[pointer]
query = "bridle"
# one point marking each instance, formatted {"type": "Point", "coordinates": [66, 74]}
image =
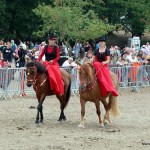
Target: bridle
{"type": "Point", "coordinates": [35, 70]}
{"type": "Point", "coordinates": [88, 81]}
{"type": "Point", "coordinates": [84, 85]}
{"type": "Point", "coordinates": [34, 80]}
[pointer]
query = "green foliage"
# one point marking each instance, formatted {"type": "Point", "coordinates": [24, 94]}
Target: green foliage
{"type": "Point", "coordinates": [147, 13]}
{"type": "Point", "coordinates": [70, 21]}
{"type": "Point", "coordinates": [17, 18]}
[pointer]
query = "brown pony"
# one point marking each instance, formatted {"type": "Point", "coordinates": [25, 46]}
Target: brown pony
{"type": "Point", "coordinates": [38, 77]}
{"type": "Point", "coordinates": [89, 91]}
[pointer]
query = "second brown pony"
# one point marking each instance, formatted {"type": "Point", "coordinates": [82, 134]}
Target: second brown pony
{"type": "Point", "coordinates": [89, 91]}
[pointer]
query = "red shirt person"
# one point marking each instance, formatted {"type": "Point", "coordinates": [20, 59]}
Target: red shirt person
{"type": "Point", "coordinates": [101, 60]}
{"type": "Point", "coordinates": [52, 55]}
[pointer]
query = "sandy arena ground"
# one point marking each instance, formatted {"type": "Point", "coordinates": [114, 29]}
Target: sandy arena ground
{"type": "Point", "coordinates": [131, 131]}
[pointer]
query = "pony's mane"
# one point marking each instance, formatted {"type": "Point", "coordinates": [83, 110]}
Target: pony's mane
{"type": "Point", "coordinates": [88, 68]}
{"type": "Point", "coordinates": [40, 67]}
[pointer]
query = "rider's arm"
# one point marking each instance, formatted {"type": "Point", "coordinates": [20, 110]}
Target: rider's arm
{"type": "Point", "coordinates": [107, 53]}
{"type": "Point", "coordinates": [41, 54]}
{"type": "Point", "coordinates": [107, 60]}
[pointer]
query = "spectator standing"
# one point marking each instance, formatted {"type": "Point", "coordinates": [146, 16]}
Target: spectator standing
{"type": "Point", "coordinates": [1, 47]}
{"type": "Point", "coordinates": [31, 45]}
{"type": "Point", "coordinates": [116, 54]}
{"type": "Point", "coordinates": [133, 58]}
{"type": "Point", "coordinates": [140, 54]}
{"type": "Point", "coordinates": [87, 47]}
{"type": "Point", "coordinates": [77, 47]}
{"type": "Point", "coordinates": [82, 53]}
{"type": "Point", "coordinates": [7, 53]}
{"type": "Point", "coordinates": [41, 46]}
{"type": "Point", "coordinates": [129, 53]}
{"type": "Point", "coordinates": [147, 47]}
{"type": "Point", "coordinates": [21, 56]}
{"type": "Point", "coordinates": [64, 45]}
{"type": "Point", "coordinates": [119, 63]}
{"type": "Point", "coordinates": [144, 50]}
{"type": "Point", "coordinates": [147, 67]}
{"type": "Point", "coordinates": [13, 46]}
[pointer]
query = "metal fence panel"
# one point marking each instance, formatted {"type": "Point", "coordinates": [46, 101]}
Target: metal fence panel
{"type": "Point", "coordinates": [13, 80]}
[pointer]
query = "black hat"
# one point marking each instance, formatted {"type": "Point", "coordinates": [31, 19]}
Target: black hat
{"type": "Point", "coordinates": [102, 39]}
{"type": "Point", "coordinates": [51, 37]}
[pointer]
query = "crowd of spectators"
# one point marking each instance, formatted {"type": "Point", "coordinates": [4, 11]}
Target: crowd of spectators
{"type": "Point", "coordinates": [18, 55]}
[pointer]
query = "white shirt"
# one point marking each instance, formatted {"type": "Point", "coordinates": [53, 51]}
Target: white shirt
{"type": "Point", "coordinates": [147, 47]}
{"type": "Point", "coordinates": [129, 57]}
{"type": "Point", "coordinates": [134, 60]}
{"type": "Point", "coordinates": [66, 64]}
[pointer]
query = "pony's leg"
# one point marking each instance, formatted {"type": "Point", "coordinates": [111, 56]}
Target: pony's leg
{"type": "Point", "coordinates": [62, 107]}
{"type": "Point", "coordinates": [97, 104]}
{"type": "Point", "coordinates": [39, 112]}
{"type": "Point", "coordinates": [83, 102]}
{"type": "Point", "coordinates": [37, 116]}
{"type": "Point", "coordinates": [107, 108]}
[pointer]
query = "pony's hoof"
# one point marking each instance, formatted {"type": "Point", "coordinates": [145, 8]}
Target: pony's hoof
{"type": "Point", "coordinates": [36, 122]}
{"type": "Point", "coordinates": [102, 125]}
{"type": "Point", "coordinates": [81, 126]}
{"type": "Point", "coordinates": [41, 122]}
{"type": "Point", "coordinates": [106, 123]}
{"type": "Point", "coordinates": [62, 118]}
{"type": "Point", "coordinates": [59, 120]}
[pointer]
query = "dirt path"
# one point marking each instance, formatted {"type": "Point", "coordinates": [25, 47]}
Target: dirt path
{"type": "Point", "coordinates": [130, 131]}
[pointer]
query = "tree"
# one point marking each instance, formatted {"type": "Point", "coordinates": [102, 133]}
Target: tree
{"type": "Point", "coordinates": [147, 14]}
{"type": "Point", "coordinates": [17, 18]}
{"type": "Point", "coordinates": [69, 20]}
{"type": "Point", "coordinates": [132, 10]}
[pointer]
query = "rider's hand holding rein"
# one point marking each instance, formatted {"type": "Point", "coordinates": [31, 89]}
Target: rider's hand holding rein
{"type": "Point", "coordinates": [51, 61]}
{"type": "Point", "coordinates": [107, 61]}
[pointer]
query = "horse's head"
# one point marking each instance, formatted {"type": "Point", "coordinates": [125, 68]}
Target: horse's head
{"type": "Point", "coordinates": [31, 72]}
{"type": "Point", "coordinates": [85, 74]}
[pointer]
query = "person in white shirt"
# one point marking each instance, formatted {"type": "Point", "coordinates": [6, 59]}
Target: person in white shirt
{"type": "Point", "coordinates": [129, 53]}
{"type": "Point", "coordinates": [147, 47]}
{"type": "Point", "coordinates": [69, 63]}
{"type": "Point", "coordinates": [144, 50]}
{"type": "Point", "coordinates": [133, 58]}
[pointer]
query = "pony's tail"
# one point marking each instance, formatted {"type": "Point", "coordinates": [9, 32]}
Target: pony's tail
{"type": "Point", "coordinates": [68, 94]}
{"type": "Point", "coordinates": [115, 111]}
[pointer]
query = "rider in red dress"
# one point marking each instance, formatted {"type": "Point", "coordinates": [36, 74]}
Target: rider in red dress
{"type": "Point", "coordinates": [101, 60]}
{"type": "Point", "coordinates": [52, 55]}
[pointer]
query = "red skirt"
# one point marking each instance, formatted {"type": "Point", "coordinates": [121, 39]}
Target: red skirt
{"type": "Point", "coordinates": [55, 77]}
{"type": "Point", "coordinates": [104, 79]}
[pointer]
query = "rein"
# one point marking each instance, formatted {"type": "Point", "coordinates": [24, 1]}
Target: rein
{"type": "Point", "coordinates": [40, 84]}
{"type": "Point", "coordinates": [98, 71]}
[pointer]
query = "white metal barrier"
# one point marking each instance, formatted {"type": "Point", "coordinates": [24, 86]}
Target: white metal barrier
{"type": "Point", "coordinates": [13, 80]}
{"type": "Point", "coordinates": [133, 76]}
